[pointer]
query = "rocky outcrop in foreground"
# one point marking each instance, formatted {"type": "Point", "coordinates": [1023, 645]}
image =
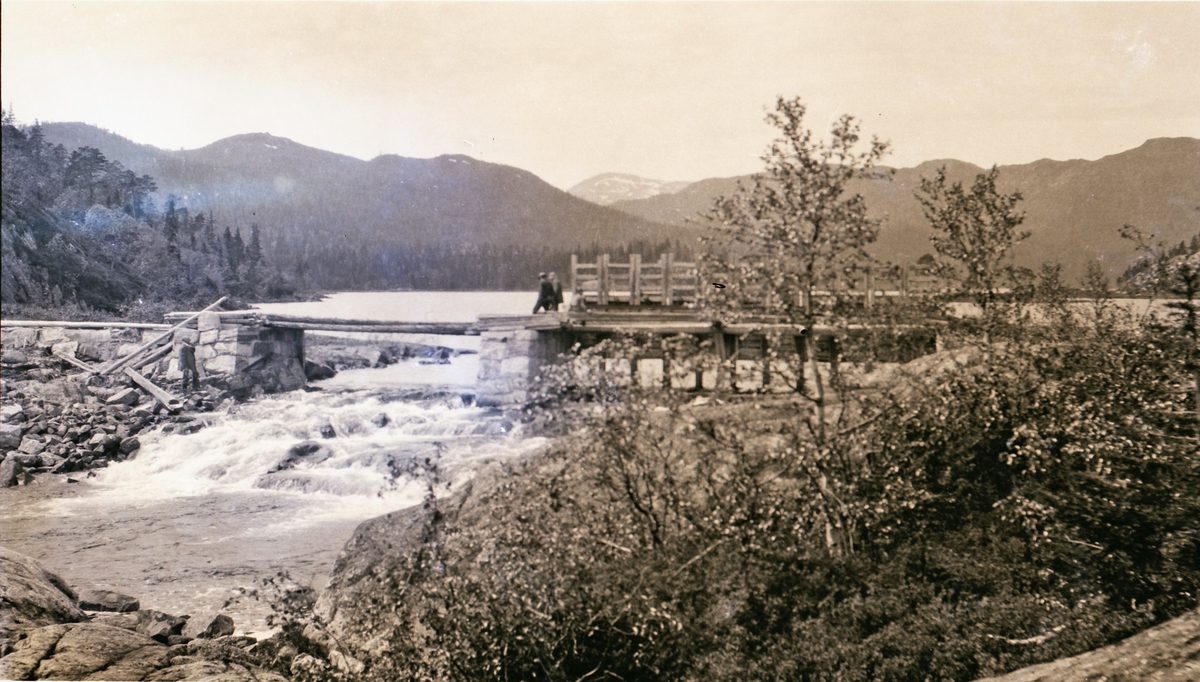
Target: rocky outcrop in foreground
{"type": "Point", "coordinates": [44, 634]}
{"type": "Point", "coordinates": [1166, 653]}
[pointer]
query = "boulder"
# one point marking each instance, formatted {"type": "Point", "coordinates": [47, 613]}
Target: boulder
{"type": "Point", "coordinates": [10, 471]}
{"type": "Point", "coordinates": [308, 452]}
{"type": "Point", "coordinates": [129, 445]}
{"type": "Point", "coordinates": [14, 357]}
{"type": "Point", "coordinates": [381, 420]}
{"type": "Point", "coordinates": [27, 653]}
{"type": "Point", "coordinates": [65, 349]}
{"type": "Point", "coordinates": [221, 626]}
{"type": "Point", "coordinates": [12, 414]}
{"type": "Point", "coordinates": [10, 437]}
{"type": "Point", "coordinates": [160, 626]}
{"type": "Point", "coordinates": [315, 371]}
{"type": "Point", "coordinates": [106, 600]}
{"type": "Point", "coordinates": [128, 396]}
{"type": "Point", "coordinates": [125, 621]}
{"type": "Point", "coordinates": [93, 651]}
{"type": "Point", "coordinates": [327, 431]}
{"type": "Point", "coordinates": [32, 596]}
{"type": "Point", "coordinates": [66, 391]}
{"type": "Point", "coordinates": [31, 445]}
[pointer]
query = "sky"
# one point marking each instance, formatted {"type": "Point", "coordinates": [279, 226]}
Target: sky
{"type": "Point", "coordinates": [674, 91]}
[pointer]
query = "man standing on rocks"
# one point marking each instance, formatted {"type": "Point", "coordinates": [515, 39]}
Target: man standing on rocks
{"type": "Point", "coordinates": [187, 365]}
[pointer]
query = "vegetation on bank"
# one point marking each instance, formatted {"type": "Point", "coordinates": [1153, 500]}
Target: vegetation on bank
{"type": "Point", "coordinates": [1031, 493]}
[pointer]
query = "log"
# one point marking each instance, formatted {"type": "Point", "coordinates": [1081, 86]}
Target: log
{"type": "Point", "coordinates": [442, 328]}
{"type": "Point", "coordinates": [121, 361]}
{"type": "Point", "coordinates": [168, 400]}
{"type": "Point", "coordinates": [156, 355]}
{"type": "Point", "coordinates": [81, 325]}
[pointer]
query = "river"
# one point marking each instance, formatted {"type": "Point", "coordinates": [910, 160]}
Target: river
{"type": "Point", "coordinates": [195, 521]}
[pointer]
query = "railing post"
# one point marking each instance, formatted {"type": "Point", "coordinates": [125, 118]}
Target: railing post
{"type": "Point", "coordinates": [635, 279]}
{"type": "Point", "coordinates": [904, 283]}
{"type": "Point", "coordinates": [668, 265]}
{"type": "Point", "coordinates": [602, 295]}
{"type": "Point", "coordinates": [870, 289]}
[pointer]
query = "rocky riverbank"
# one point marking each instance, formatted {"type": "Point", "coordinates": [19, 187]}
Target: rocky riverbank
{"type": "Point", "coordinates": [49, 631]}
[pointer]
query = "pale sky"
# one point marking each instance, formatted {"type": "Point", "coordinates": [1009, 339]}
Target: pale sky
{"type": "Point", "coordinates": [567, 90]}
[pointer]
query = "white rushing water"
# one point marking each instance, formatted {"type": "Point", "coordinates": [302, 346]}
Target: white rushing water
{"type": "Point", "coordinates": [194, 519]}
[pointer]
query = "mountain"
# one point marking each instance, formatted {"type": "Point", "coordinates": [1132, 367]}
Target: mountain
{"type": "Point", "coordinates": [607, 188]}
{"type": "Point", "coordinates": [1073, 209]}
{"type": "Point", "coordinates": [286, 187]}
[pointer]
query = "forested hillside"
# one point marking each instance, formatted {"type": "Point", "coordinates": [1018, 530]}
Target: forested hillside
{"type": "Point", "coordinates": [335, 222]}
{"type": "Point", "coordinates": [85, 233]}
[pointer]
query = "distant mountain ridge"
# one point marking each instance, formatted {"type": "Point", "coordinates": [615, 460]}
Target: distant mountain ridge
{"type": "Point", "coordinates": [284, 186]}
{"type": "Point", "coordinates": [1074, 209]}
{"type": "Point", "coordinates": [607, 188]}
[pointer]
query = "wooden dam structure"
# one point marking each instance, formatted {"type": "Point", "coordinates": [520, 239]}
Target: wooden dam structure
{"type": "Point", "coordinates": [610, 299]}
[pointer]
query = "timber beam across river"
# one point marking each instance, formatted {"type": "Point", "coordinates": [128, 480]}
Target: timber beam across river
{"type": "Point", "coordinates": [645, 321]}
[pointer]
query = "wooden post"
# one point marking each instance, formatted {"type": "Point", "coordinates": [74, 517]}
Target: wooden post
{"type": "Point", "coordinates": [575, 273]}
{"type": "Point", "coordinates": [602, 267]}
{"type": "Point", "coordinates": [904, 283]}
{"type": "Point", "coordinates": [668, 265]}
{"type": "Point", "coordinates": [801, 342]}
{"type": "Point", "coordinates": [719, 349]}
{"type": "Point", "coordinates": [169, 401]}
{"type": "Point", "coordinates": [870, 289]}
{"type": "Point", "coordinates": [635, 279]}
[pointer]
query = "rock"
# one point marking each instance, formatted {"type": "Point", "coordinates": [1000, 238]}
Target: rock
{"type": "Point", "coordinates": [159, 626]}
{"type": "Point", "coordinates": [373, 357]}
{"type": "Point", "coordinates": [129, 445]}
{"type": "Point", "coordinates": [31, 596]}
{"type": "Point", "coordinates": [106, 600]}
{"type": "Point", "coordinates": [11, 414]}
{"type": "Point", "coordinates": [308, 452]}
{"type": "Point", "coordinates": [221, 626]}
{"type": "Point", "coordinates": [65, 349]}
{"type": "Point", "coordinates": [1168, 652]}
{"type": "Point", "coordinates": [176, 640]}
{"type": "Point", "coordinates": [10, 471]}
{"type": "Point", "coordinates": [29, 652]}
{"type": "Point", "coordinates": [10, 437]}
{"type": "Point", "coordinates": [381, 420]}
{"type": "Point", "coordinates": [315, 371]}
{"type": "Point", "coordinates": [65, 392]}
{"type": "Point", "coordinates": [213, 671]}
{"type": "Point", "coordinates": [327, 431]}
{"type": "Point", "coordinates": [88, 648]}
{"type": "Point", "coordinates": [128, 396]}
{"type": "Point", "coordinates": [31, 445]}
{"type": "Point", "coordinates": [14, 357]}
{"type": "Point", "coordinates": [125, 621]}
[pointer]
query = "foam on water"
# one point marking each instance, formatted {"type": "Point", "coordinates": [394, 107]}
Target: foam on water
{"type": "Point", "coordinates": [431, 437]}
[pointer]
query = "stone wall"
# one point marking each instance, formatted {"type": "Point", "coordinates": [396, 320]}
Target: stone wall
{"type": "Point", "coordinates": [246, 355]}
{"type": "Point", "coordinates": [240, 357]}
{"type": "Point", "coordinates": [509, 359]}
{"type": "Point", "coordinates": [101, 344]}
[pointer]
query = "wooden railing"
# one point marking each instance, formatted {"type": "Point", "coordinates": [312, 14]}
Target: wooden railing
{"type": "Point", "coordinates": [666, 281]}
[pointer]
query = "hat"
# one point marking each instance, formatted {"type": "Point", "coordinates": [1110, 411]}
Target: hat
{"type": "Point", "coordinates": [541, 274]}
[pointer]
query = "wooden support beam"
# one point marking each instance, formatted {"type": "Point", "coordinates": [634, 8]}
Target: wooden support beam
{"type": "Point", "coordinates": [159, 339]}
{"type": "Point", "coordinates": [635, 279]}
{"type": "Point", "coordinates": [575, 274]}
{"type": "Point", "coordinates": [602, 294]}
{"type": "Point", "coordinates": [153, 357]}
{"type": "Point", "coordinates": [870, 290]}
{"type": "Point", "coordinates": [169, 401]}
{"type": "Point", "coordinates": [667, 277]}
{"type": "Point", "coordinates": [438, 328]}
